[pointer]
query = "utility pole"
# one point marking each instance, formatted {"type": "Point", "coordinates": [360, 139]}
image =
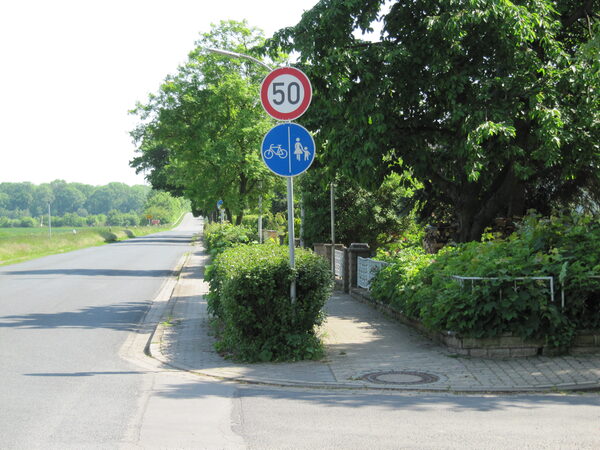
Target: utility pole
{"type": "Point", "coordinates": [49, 221]}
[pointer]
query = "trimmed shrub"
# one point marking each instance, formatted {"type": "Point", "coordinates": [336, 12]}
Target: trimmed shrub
{"type": "Point", "coordinates": [250, 295]}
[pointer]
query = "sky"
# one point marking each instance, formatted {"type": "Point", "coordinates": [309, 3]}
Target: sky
{"type": "Point", "coordinates": [71, 70]}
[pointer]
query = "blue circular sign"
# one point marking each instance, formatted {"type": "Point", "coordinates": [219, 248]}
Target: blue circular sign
{"type": "Point", "coordinates": [288, 149]}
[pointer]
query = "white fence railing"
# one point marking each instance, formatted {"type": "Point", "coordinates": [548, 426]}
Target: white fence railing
{"type": "Point", "coordinates": [339, 263]}
{"type": "Point", "coordinates": [550, 281]}
{"type": "Point", "coordinates": [366, 270]}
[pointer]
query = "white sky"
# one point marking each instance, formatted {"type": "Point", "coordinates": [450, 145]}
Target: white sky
{"type": "Point", "coordinates": [70, 70]}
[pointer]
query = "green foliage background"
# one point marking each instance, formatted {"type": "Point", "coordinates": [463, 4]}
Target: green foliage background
{"type": "Point", "coordinates": [492, 105]}
{"type": "Point", "coordinates": [566, 248]}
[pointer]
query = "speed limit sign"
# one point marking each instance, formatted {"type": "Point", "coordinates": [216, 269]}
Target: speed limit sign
{"type": "Point", "coordinates": [286, 93]}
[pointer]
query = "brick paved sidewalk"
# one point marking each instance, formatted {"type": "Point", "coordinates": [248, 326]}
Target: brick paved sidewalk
{"type": "Point", "coordinates": [365, 350]}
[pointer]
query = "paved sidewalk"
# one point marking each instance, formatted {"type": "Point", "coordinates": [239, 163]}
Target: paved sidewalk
{"type": "Point", "coordinates": [365, 351]}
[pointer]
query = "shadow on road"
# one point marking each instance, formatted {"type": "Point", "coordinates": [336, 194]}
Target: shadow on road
{"type": "Point", "coordinates": [123, 317]}
{"type": "Point", "coordinates": [155, 240]}
{"type": "Point", "coordinates": [83, 374]}
{"type": "Point", "coordinates": [415, 401]}
{"type": "Point", "coordinates": [94, 272]}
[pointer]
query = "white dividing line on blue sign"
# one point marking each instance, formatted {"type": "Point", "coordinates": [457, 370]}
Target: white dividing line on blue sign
{"type": "Point", "coordinates": [288, 149]}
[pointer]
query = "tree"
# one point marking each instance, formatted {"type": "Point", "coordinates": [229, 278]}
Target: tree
{"type": "Point", "coordinates": [494, 106]}
{"type": "Point", "coordinates": [162, 206]}
{"type": "Point", "coordinates": [200, 134]}
{"type": "Point", "coordinates": [20, 195]}
{"type": "Point", "coordinates": [4, 200]}
{"type": "Point", "coordinates": [42, 198]}
{"type": "Point", "coordinates": [101, 201]}
{"type": "Point", "coordinates": [361, 215]}
{"type": "Point", "coordinates": [67, 198]}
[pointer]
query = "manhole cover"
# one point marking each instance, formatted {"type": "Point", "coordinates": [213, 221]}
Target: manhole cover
{"type": "Point", "coordinates": [404, 377]}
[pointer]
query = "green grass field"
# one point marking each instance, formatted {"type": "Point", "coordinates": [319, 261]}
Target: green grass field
{"type": "Point", "coordinates": [22, 244]}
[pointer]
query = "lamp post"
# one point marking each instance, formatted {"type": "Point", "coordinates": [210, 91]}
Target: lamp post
{"type": "Point", "coordinates": [269, 68]}
{"type": "Point", "coordinates": [237, 55]}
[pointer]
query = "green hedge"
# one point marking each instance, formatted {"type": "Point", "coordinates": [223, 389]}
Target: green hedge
{"type": "Point", "coordinates": [566, 248]}
{"type": "Point", "coordinates": [219, 237]}
{"type": "Point", "coordinates": [250, 297]}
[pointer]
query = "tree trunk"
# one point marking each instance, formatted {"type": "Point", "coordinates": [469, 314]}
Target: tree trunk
{"type": "Point", "coordinates": [476, 211]}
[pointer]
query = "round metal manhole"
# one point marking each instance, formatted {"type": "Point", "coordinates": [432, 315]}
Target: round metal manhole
{"type": "Point", "coordinates": [400, 377]}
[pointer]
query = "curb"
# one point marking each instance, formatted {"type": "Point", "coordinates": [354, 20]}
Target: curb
{"type": "Point", "coordinates": [138, 342]}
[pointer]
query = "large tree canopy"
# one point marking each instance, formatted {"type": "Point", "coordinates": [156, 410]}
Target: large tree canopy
{"type": "Point", "coordinates": [493, 105]}
{"type": "Point", "coordinates": [200, 134]}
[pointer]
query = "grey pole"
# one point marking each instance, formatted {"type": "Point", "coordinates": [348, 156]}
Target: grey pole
{"type": "Point", "coordinates": [302, 222]}
{"type": "Point", "coordinates": [291, 237]}
{"type": "Point", "coordinates": [237, 55]}
{"type": "Point", "coordinates": [260, 224]}
{"type": "Point", "coordinates": [49, 221]}
{"type": "Point", "coordinates": [332, 202]}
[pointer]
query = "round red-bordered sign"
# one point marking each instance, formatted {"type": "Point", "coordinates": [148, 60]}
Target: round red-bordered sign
{"type": "Point", "coordinates": [286, 93]}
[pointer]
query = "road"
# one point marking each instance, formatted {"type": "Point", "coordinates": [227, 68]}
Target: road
{"type": "Point", "coordinates": [73, 375]}
{"type": "Point", "coordinates": [64, 320]}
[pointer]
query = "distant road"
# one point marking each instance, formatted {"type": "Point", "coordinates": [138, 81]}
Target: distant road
{"type": "Point", "coordinates": [63, 319]}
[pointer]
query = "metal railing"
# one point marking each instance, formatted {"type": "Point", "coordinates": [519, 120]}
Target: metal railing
{"type": "Point", "coordinates": [550, 281]}
{"type": "Point", "coordinates": [366, 270]}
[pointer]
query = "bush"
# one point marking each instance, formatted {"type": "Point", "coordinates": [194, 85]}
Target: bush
{"type": "Point", "coordinates": [96, 220]}
{"type": "Point", "coordinates": [250, 295]}
{"type": "Point", "coordinates": [73, 220]}
{"type": "Point", "coordinates": [28, 222]}
{"type": "Point", "coordinates": [566, 248]}
{"type": "Point", "coordinates": [397, 283]}
{"type": "Point", "coordinates": [251, 221]}
{"type": "Point", "coordinates": [115, 218]}
{"type": "Point", "coordinates": [57, 222]}
{"type": "Point", "coordinates": [219, 237]}
{"type": "Point", "coordinates": [131, 219]}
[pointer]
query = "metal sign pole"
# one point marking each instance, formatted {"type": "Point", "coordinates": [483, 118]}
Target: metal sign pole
{"type": "Point", "coordinates": [291, 236]}
{"type": "Point", "coordinates": [332, 205]}
{"type": "Point", "coordinates": [260, 224]}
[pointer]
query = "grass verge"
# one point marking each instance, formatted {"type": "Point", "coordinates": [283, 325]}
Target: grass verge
{"type": "Point", "coordinates": [23, 244]}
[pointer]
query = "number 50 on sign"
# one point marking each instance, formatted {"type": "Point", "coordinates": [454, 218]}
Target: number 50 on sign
{"type": "Point", "coordinates": [286, 93]}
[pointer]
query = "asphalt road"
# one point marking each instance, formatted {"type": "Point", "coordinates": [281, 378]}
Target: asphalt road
{"type": "Point", "coordinates": [63, 321]}
{"type": "Point", "coordinates": [308, 419]}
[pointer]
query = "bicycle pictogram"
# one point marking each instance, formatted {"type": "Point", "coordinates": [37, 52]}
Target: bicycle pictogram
{"type": "Point", "coordinates": [275, 150]}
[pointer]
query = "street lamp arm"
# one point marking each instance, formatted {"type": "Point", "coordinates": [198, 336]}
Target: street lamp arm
{"type": "Point", "coordinates": [238, 55]}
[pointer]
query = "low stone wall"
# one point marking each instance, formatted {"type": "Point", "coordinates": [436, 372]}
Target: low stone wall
{"type": "Point", "coordinates": [506, 346]}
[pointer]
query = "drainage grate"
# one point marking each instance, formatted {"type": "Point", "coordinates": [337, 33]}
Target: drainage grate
{"type": "Point", "coordinates": [400, 377]}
